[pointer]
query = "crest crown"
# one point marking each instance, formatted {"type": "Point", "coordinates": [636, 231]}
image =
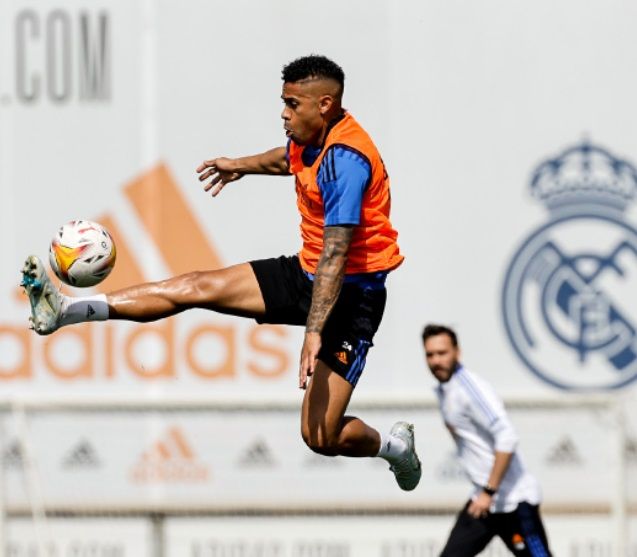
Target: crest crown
{"type": "Point", "coordinates": [585, 174]}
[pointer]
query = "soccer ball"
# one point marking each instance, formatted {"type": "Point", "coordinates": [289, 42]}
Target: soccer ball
{"type": "Point", "coordinates": [82, 253]}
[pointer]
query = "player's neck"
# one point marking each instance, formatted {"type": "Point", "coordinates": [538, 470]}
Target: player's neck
{"type": "Point", "coordinates": [330, 121]}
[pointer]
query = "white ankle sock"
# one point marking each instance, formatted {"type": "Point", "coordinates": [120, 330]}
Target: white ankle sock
{"type": "Point", "coordinates": [85, 308]}
{"type": "Point", "coordinates": [392, 448]}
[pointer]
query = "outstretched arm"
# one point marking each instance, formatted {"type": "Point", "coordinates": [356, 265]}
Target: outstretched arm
{"type": "Point", "coordinates": [224, 170]}
{"type": "Point", "coordinates": [327, 286]}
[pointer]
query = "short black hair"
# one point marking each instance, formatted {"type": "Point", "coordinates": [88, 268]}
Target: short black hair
{"type": "Point", "coordinates": [432, 330]}
{"type": "Point", "coordinates": [313, 65]}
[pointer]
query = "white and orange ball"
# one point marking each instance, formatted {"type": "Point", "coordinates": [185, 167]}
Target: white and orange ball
{"type": "Point", "coordinates": [82, 253]}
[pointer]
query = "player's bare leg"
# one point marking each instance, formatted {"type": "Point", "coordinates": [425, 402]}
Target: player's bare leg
{"type": "Point", "coordinates": [233, 290]}
{"type": "Point", "coordinates": [326, 429]}
{"type": "Point", "coordinates": [324, 426]}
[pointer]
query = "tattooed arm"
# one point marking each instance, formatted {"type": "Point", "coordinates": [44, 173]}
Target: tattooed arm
{"type": "Point", "coordinates": [327, 286]}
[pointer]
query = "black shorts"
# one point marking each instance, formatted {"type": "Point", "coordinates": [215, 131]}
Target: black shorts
{"type": "Point", "coordinates": [350, 328]}
{"type": "Point", "coordinates": [521, 530]}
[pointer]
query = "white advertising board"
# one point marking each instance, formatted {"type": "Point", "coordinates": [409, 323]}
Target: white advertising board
{"type": "Point", "coordinates": [79, 537]}
{"type": "Point", "coordinates": [225, 461]}
{"type": "Point", "coordinates": [303, 536]}
{"type": "Point", "coordinates": [509, 136]}
{"type": "Point", "coordinates": [347, 536]}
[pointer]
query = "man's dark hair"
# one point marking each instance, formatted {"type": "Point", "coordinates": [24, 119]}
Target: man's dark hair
{"type": "Point", "coordinates": [433, 330]}
{"type": "Point", "coordinates": [313, 65]}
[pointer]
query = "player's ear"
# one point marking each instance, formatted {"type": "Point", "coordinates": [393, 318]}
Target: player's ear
{"type": "Point", "coordinates": [325, 104]}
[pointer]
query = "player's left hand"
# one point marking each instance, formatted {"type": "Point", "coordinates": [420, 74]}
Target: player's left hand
{"type": "Point", "coordinates": [479, 507]}
{"type": "Point", "coordinates": [221, 170]}
{"type": "Point", "coordinates": [309, 357]}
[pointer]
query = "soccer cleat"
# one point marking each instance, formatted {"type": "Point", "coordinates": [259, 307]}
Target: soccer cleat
{"type": "Point", "coordinates": [407, 470]}
{"type": "Point", "coordinates": [45, 299]}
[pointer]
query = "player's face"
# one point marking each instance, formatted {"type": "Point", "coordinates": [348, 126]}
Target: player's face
{"type": "Point", "coordinates": [303, 115]}
{"type": "Point", "coordinates": [442, 356]}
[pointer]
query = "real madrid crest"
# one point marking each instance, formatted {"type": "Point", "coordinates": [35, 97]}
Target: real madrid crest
{"type": "Point", "coordinates": [569, 300]}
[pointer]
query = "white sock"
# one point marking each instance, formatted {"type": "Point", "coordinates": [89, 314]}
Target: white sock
{"type": "Point", "coordinates": [392, 449]}
{"type": "Point", "coordinates": [85, 308]}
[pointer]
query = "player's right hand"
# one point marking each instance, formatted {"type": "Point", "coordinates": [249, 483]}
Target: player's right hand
{"type": "Point", "coordinates": [309, 357]}
{"type": "Point", "coordinates": [480, 505]}
{"type": "Point", "coordinates": [221, 171]}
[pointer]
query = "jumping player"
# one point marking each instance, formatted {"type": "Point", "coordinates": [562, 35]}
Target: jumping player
{"type": "Point", "coordinates": [506, 497]}
{"type": "Point", "coordinates": [335, 286]}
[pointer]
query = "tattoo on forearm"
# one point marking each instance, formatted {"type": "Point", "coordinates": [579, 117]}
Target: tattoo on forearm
{"type": "Point", "coordinates": [329, 275]}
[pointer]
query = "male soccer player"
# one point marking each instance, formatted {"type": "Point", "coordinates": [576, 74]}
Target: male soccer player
{"type": "Point", "coordinates": [505, 498]}
{"type": "Point", "coordinates": [335, 286]}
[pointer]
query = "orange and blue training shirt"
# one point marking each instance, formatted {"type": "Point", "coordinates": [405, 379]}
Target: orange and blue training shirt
{"type": "Point", "coordinates": [344, 182]}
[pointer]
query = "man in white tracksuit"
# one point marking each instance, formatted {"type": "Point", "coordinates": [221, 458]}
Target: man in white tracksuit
{"type": "Point", "coordinates": [505, 498]}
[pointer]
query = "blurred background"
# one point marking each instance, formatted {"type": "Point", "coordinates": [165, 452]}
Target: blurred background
{"type": "Point", "coordinates": [510, 136]}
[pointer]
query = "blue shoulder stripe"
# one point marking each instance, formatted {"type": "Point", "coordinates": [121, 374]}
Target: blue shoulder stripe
{"type": "Point", "coordinates": [476, 395]}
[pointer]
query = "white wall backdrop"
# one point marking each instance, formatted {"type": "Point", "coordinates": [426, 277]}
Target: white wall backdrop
{"type": "Point", "coordinates": [464, 101]}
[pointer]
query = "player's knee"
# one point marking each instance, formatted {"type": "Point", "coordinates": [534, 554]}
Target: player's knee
{"type": "Point", "coordinates": [319, 442]}
{"type": "Point", "coordinates": [323, 447]}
